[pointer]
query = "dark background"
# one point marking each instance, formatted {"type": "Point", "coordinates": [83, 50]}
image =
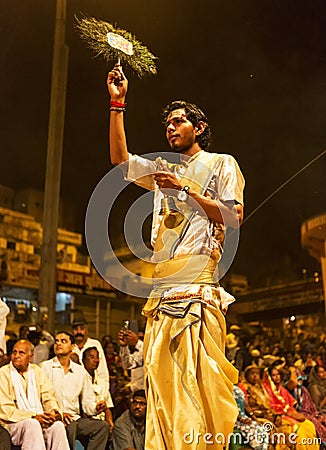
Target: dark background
{"type": "Point", "coordinates": [257, 68]}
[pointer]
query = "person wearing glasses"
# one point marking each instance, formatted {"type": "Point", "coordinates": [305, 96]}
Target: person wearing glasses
{"type": "Point", "coordinates": [129, 429]}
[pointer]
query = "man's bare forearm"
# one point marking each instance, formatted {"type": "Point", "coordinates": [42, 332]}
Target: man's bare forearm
{"type": "Point", "coordinates": [229, 213]}
{"type": "Point", "coordinates": [117, 85]}
{"type": "Point", "coordinates": [118, 141]}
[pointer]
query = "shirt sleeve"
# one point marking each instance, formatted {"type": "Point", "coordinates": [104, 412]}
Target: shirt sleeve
{"type": "Point", "coordinates": [230, 181]}
{"type": "Point", "coordinates": [106, 394]}
{"type": "Point", "coordinates": [140, 171]}
{"type": "Point", "coordinates": [48, 338]}
{"type": "Point", "coordinates": [136, 359]}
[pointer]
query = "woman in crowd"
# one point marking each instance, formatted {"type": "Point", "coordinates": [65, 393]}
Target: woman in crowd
{"type": "Point", "coordinates": [111, 356]}
{"type": "Point", "coordinates": [304, 404]}
{"type": "Point", "coordinates": [259, 408]}
{"type": "Point", "coordinates": [282, 403]}
{"type": "Point", "coordinates": [258, 405]}
{"type": "Point", "coordinates": [317, 387]}
{"type": "Point", "coordinates": [252, 432]}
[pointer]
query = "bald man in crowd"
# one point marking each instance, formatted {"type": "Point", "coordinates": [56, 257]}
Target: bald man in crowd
{"type": "Point", "coordinates": [28, 407]}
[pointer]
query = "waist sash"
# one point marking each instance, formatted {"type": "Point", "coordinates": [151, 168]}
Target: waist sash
{"type": "Point", "coordinates": [182, 279]}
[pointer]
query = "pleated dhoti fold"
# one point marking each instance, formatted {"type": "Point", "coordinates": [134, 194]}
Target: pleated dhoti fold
{"type": "Point", "coordinates": [189, 381]}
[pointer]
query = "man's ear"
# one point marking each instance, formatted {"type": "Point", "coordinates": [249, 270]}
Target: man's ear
{"type": "Point", "coordinates": [200, 127]}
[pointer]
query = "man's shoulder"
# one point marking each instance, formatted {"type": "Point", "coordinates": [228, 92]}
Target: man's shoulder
{"type": "Point", "coordinates": [49, 363]}
{"type": "Point", "coordinates": [40, 373]}
{"type": "Point", "coordinates": [93, 343]}
{"type": "Point", "coordinates": [124, 419]}
{"type": "Point", "coordinates": [54, 363]}
{"type": "Point", "coordinates": [35, 367]}
{"type": "Point", "coordinates": [220, 157]}
{"type": "Point", "coordinates": [77, 368]}
{"type": "Point", "coordinates": [215, 159]}
{"type": "Point", "coordinates": [5, 369]}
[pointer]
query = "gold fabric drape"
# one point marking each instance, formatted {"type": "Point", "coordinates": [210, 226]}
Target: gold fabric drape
{"type": "Point", "coordinates": [189, 381]}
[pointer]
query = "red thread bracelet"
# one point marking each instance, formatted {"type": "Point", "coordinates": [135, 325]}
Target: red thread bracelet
{"type": "Point", "coordinates": [117, 104]}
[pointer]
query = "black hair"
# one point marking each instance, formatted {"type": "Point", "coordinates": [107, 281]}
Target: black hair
{"type": "Point", "coordinates": [194, 115]}
{"type": "Point", "coordinates": [71, 336]}
{"type": "Point", "coordinates": [87, 350]}
{"type": "Point", "coordinates": [139, 393]}
{"type": "Point", "coordinates": [276, 365]}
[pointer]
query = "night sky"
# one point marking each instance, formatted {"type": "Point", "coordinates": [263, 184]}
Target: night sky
{"type": "Point", "coordinates": [257, 68]}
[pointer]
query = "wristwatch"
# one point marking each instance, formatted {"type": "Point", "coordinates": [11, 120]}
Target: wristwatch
{"type": "Point", "coordinates": [182, 195]}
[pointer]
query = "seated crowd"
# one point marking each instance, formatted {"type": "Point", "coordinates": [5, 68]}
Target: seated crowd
{"type": "Point", "coordinates": [76, 393]}
{"type": "Point", "coordinates": [281, 388]}
{"type": "Point", "coordinates": [70, 391]}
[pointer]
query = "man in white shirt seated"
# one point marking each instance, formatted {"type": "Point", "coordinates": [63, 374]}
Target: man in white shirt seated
{"type": "Point", "coordinates": [101, 388]}
{"type": "Point", "coordinates": [28, 407]}
{"type": "Point", "coordinates": [83, 341]}
{"type": "Point", "coordinates": [72, 385]}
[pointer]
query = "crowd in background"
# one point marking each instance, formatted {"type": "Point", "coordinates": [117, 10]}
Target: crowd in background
{"type": "Point", "coordinates": [282, 383]}
{"type": "Point", "coordinates": [282, 378]}
{"type": "Point", "coordinates": [107, 376]}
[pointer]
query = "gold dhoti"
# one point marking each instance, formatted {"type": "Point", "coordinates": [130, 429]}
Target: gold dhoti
{"type": "Point", "coordinates": [189, 381]}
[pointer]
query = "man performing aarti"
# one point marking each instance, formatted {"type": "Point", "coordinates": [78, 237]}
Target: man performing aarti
{"type": "Point", "coordinates": [189, 381]}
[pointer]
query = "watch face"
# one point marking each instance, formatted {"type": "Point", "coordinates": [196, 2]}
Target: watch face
{"type": "Point", "coordinates": [182, 196]}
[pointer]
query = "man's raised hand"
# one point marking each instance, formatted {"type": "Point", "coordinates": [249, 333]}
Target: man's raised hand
{"type": "Point", "coordinates": [117, 84]}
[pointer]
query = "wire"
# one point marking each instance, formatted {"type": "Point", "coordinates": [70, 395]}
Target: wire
{"type": "Point", "coordinates": [283, 185]}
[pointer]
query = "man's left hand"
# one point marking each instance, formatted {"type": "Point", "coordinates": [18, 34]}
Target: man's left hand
{"type": "Point", "coordinates": [101, 406]}
{"type": "Point", "coordinates": [167, 180]}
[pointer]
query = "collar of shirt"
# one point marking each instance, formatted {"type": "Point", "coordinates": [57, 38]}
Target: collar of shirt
{"type": "Point", "coordinates": [56, 364]}
{"type": "Point", "coordinates": [95, 376]}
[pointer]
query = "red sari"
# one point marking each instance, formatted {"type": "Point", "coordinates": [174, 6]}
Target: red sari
{"type": "Point", "coordinates": [283, 403]}
{"type": "Point", "coordinates": [281, 400]}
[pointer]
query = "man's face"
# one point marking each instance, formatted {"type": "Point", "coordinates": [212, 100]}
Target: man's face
{"type": "Point", "coordinates": [253, 376]}
{"type": "Point", "coordinates": [180, 132]}
{"type": "Point", "coordinates": [80, 331]}
{"type": "Point", "coordinates": [92, 360]}
{"type": "Point", "coordinates": [138, 407]}
{"type": "Point", "coordinates": [21, 356]}
{"type": "Point", "coordinates": [62, 345]}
